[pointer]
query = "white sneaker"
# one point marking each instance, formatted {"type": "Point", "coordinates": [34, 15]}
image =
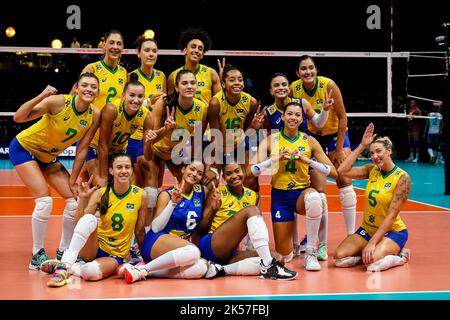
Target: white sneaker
{"type": "Point", "coordinates": [415, 160]}
{"type": "Point", "coordinates": [311, 262]}
{"type": "Point", "coordinates": [121, 269]}
{"type": "Point", "coordinates": [133, 274]}
{"type": "Point", "coordinates": [409, 159]}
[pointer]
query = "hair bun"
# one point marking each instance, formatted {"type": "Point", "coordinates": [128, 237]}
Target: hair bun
{"type": "Point", "coordinates": [134, 76]}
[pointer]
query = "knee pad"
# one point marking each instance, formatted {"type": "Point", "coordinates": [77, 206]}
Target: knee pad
{"type": "Point", "coordinates": [195, 271]}
{"type": "Point", "coordinates": [257, 231]}
{"type": "Point", "coordinates": [347, 196]}
{"type": "Point", "coordinates": [186, 255]}
{"type": "Point", "coordinates": [43, 208]}
{"type": "Point", "coordinates": [71, 208]}
{"type": "Point", "coordinates": [91, 271]}
{"type": "Point", "coordinates": [152, 194]}
{"type": "Point", "coordinates": [313, 205]}
{"type": "Point", "coordinates": [85, 226]}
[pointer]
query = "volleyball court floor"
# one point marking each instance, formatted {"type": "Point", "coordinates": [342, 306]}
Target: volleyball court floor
{"type": "Point", "coordinates": [427, 276]}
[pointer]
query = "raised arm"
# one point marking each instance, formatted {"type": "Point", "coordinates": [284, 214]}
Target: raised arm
{"type": "Point", "coordinates": [45, 102]}
{"type": "Point", "coordinates": [346, 168]}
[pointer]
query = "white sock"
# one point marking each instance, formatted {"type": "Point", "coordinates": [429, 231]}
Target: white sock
{"type": "Point", "coordinates": [84, 228]}
{"type": "Point", "coordinates": [75, 269]}
{"type": "Point", "coordinates": [41, 214]}
{"type": "Point", "coordinates": [245, 267]}
{"type": "Point", "coordinates": [67, 223]}
{"type": "Point", "coordinates": [347, 262]}
{"type": "Point", "coordinates": [348, 202]}
{"type": "Point", "coordinates": [259, 235]}
{"type": "Point", "coordinates": [430, 152]}
{"type": "Point", "coordinates": [179, 257]}
{"type": "Point", "coordinates": [387, 262]}
{"type": "Point", "coordinates": [323, 229]}
{"type": "Point", "coordinates": [193, 271]}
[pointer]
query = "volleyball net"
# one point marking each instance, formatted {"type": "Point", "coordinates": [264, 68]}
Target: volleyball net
{"type": "Point", "coordinates": [376, 86]}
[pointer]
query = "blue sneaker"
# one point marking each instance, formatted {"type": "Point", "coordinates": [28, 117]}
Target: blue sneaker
{"type": "Point", "coordinates": [134, 256]}
{"type": "Point", "coordinates": [37, 259]}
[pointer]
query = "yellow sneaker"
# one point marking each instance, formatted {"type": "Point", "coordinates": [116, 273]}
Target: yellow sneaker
{"type": "Point", "coordinates": [59, 278]}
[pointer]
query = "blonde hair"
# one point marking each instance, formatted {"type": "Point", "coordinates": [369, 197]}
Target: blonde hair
{"type": "Point", "coordinates": [385, 141]}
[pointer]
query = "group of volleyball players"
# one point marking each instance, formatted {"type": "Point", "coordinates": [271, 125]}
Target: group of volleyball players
{"type": "Point", "coordinates": [216, 140]}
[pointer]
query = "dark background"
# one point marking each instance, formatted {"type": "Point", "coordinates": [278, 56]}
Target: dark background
{"type": "Point", "coordinates": [241, 25]}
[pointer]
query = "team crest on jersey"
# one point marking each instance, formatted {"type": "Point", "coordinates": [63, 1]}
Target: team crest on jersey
{"type": "Point", "coordinates": [197, 188]}
{"type": "Point", "coordinates": [387, 186]}
{"type": "Point", "coordinates": [305, 137]}
{"type": "Point", "coordinates": [99, 66]}
{"type": "Point", "coordinates": [302, 148]}
{"type": "Point", "coordinates": [371, 219]}
{"type": "Point", "coordinates": [197, 203]}
{"type": "Point", "coordinates": [321, 85]}
{"type": "Point", "coordinates": [83, 124]}
{"type": "Point", "coordinates": [104, 79]}
{"type": "Point", "coordinates": [135, 190]}
{"type": "Point", "coordinates": [245, 204]}
{"type": "Point", "coordinates": [130, 206]}
{"type": "Point", "coordinates": [120, 81]}
{"type": "Point", "coordinates": [224, 193]}
{"type": "Point", "coordinates": [201, 84]}
{"type": "Point", "coordinates": [157, 74]}
{"type": "Point", "coordinates": [290, 185]}
{"type": "Point", "coordinates": [248, 193]}
{"type": "Point", "coordinates": [397, 173]}
{"type": "Point", "coordinates": [271, 109]}
{"type": "Point", "coordinates": [197, 108]}
{"type": "Point", "coordinates": [244, 99]}
{"type": "Point", "coordinates": [319, 102]}
{"type": "Point", "coordinates": [158, 86]}
{"type": "Point", "coordinates": [203, 69]}
{"type": "Point", "coordinates": [140, 113]}
{"type": "Point", "coordinates": [240, 111]}
{"type": "Point", "coordinates": [298, 87]}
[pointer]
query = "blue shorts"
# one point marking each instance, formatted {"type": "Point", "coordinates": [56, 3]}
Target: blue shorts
{"type": "Point", "coordinates": [135, 149]}
{"type": "Point", "coordinates": [328, 142]}
{"type": "Point", "coordinates": [399, 237]}
{"type": "Point", "coordinates": [204, 244]}
{"type": "Point", "coordinates": [149, 241]}
{"type": "Point", "coordinates": [92, 154]}
{"type": "Point", "coordinates": [284, 204]}
{"type": "Point", "coordinates": [19, 155]}
{"type": "Point", "coordinates": [103, 254]}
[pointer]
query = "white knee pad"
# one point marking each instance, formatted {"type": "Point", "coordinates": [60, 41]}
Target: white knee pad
{"type": "Point", "coordinates": [85, 226]}
{"type": "Point", "coordinates": [257, 231]}
{"type": "Point", "coordinates": [186, 255]}
{"type": "Point", "coordinates": [91, 271]}
{"type": "Point", "coordinates": [347, 196]}
{"type": "Point", "coordinates": [195, 271]}
{"type": "Point", "coordinates": [71, 208]}
{"type": "Point", "coordinates": [313, 205]}
{"type": "Point", "coordinates": [43, 208]}
{"type": "Point", "coordinates": [152, 194]}
{"type": "Point", "coordinates": [347, 262]}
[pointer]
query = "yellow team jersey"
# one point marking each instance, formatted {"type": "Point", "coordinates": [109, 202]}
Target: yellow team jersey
{"type": "Point", "coordinates": [123, 127]}
{"type": "Point", "coordinates": [52, 134]}
{"type": "Point", "coordinates": [154, 84]}
{"type": "Point", "coordinates": [185, 120]}
{"type": "Point", "coordinates": [204, 82]}
{"type": "Point", "coordinates": [232, 116]}
{"type": "Point", "coordinates": [112, 82]}
{"type": "Point", "coordinates": [290, 174]}
{"type": "Point", "coordinates": [231, 204]}
{"type": "Point", "coordinates": [316, 98]}
{"type": "Point", "coordinates": [116, 226]}
{"type": "Point", "coordinates": [378, 197]}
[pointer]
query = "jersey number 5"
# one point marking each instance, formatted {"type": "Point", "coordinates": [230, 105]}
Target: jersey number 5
{"type": "Point", "coordinates": [372, 201]}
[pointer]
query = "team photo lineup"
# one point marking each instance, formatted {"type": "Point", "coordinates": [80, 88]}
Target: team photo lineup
{"type": "Point", "coordinates": [217, 141]}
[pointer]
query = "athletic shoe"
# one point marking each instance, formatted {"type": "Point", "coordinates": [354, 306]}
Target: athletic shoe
{"type": "Point", "coordinates": [276, 271]}
{"type": "Point", "coordinates": [303, 244]}
{"type": "Point", "coordinates": [51, 265]}
{"type": "Point", "coordinates": [59, 278]}
{"type": "Point", "coordinates": [409, 159]}
{"type": "Point", "coordinates": [59, 254]}
{"type": "Point", "coordinates": [214, 270]}
{"type": "Point", "coordinates": [135, 256]}
{"type": "Point", "coordinates": [311, 262]}
{"type": "Point", "coordinates": [433, 159]}
{"type": "Point", "coordinates": [415, 160]}
{"type": "Point", "coordinates": [405, 253]}
{"type": "Point", "coordinates": [121, 269]}
{"type": "Point", "coordinates": [37, 259]}
{"type": "Point", "coordinates": [133, 274]}
{"type": "Point", "coordinates": [322, 252]}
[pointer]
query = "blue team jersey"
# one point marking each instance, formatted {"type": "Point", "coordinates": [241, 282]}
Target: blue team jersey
{"type": "Point", "coordinates": [187, 214]}
{"type": "Point", "coordinates": [274, 115]}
